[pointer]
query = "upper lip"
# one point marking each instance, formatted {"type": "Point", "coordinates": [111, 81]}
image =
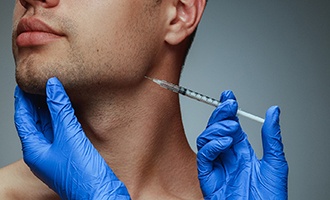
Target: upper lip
{"type": "Point", "coordinates": [34, 25]}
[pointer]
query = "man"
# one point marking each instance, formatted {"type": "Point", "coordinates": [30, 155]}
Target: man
{"type": "Point", "coordinates": [101, 51]}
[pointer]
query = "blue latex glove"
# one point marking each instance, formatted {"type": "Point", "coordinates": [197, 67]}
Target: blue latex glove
{"type": "Point", "coordinates": [227, 165]}
{"type": "Point", "coordinates": [58, 152]}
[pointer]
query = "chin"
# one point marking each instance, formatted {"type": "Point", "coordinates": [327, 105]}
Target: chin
{"type": "Point", "coordinates": [32, 85]}
{"type": "Point", "coordinates": [32, 77]}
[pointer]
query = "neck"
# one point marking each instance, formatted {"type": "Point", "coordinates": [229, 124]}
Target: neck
{"type": "Point", "coordinates": [139, 132]}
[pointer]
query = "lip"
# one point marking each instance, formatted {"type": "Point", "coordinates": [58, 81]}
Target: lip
{"type": "Point", "coordinates": [33, 32]}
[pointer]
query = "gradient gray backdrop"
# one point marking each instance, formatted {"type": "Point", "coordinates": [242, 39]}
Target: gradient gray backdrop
{"type": "Point", "coordinates": [267, 52]}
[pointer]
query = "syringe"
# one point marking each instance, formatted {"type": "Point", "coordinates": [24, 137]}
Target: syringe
{"type": "Point", "coordinates": [200, 97]}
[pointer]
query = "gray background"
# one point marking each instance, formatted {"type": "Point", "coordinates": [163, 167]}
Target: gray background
{"type": "Point", "coordinates": [267, 52]}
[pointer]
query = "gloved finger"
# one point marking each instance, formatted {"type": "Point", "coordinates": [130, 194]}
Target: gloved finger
{"type": "Point", "coordinates": [61, 111]}
{"type": "Point", "coordinates": [25, 114]}
{"type": "Point", "coordinates": [271, 138]}
{"type": "Point", "coordinates": [42, 116]}
{"type": "Point", "coordinates": [227, 94]}
{"type": "Point", "coordinates": [209, 152]}
{"type": "Point", "coordinates": [220, 129]}
{"type": "Point", "coordinates": [31, 138]}
{"type": "Point", "coordinates": [225, 111]}
{"type": "Point", "coordinates": [40, 113]}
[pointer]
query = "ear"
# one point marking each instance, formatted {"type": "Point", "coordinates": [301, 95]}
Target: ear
{"type": "Point", "coordinates": [184, 17]}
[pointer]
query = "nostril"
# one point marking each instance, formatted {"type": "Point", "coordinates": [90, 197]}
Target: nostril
{"type": "Point", "coordinates": [24, 3]}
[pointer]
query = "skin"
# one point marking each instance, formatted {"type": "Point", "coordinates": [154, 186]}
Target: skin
{"type": "Point", "coordinates": [101, 53]}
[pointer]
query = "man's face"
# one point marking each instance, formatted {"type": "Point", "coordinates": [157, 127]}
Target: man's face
{"type": "Point", "coordinates": [84, 43]}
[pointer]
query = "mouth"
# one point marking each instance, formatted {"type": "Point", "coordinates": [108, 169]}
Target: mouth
{"type": "Point", "coordinates": [34, 32]}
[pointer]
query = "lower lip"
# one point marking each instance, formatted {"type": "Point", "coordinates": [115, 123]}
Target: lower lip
{"type": "Point", "coordinates": [28, 39]}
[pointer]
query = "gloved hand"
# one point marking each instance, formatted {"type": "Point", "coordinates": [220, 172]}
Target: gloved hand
{"type": "Point", "coordinates": [58, 152]}
{"type": "Point", "coordinates": [227, 165]}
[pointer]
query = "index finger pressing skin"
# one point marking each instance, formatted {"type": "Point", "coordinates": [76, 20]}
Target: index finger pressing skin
{"type": "Point", "coordinates": [61, 111]}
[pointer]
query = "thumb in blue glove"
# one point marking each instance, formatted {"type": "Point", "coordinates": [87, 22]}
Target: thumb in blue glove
{"type": "Point", "coordinates": [58, 152]}
{"type": "Point", "coordinates": [227, 165]}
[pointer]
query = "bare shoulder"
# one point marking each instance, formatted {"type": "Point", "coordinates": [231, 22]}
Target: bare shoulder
{"type": "Point", "coordinates": [18, 182]}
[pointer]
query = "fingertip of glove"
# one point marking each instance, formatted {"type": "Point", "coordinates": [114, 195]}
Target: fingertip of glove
{"type": "Point", "coordinates": [53, 88]}
{"type": "Point", "coordinates": [53, 82]}
{"type": "Point", "coordinates": [273, 113]}
{"type": "Point", "coordinates": [56, 95]}
{"type": "Point", "coordinates": [227, 94]}
{"type": "Point", "coordinates": [272, 119]}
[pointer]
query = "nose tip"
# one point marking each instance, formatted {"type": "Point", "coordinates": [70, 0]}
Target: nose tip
{"type": "Point", "coordinates": [43, 3]}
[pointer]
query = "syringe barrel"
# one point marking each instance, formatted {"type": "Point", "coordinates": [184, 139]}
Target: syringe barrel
{"type": "Point", "coordinates": [199, 97]}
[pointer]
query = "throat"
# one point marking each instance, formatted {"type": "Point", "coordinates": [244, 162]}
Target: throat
{"type": "Point", "coordinates": [142, 139]}
{"type": "Point", "coordinates": [150, 155]}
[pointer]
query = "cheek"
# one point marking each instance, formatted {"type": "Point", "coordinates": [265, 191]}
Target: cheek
{"type": "Point", "coordinates": [17, 14]}
{"type": "Point", "coordinates": [125, 45]}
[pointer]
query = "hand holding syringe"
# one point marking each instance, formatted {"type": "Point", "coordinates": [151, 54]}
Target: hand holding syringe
{"type": "Point", "coordinates": [200, 97]}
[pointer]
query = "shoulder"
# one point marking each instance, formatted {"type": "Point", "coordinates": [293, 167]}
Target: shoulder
{"type": "Point", "coordinates": [18, 182]}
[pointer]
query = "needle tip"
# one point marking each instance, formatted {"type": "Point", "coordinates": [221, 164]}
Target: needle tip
{"type": "Point", "coordinates": [147, 77]}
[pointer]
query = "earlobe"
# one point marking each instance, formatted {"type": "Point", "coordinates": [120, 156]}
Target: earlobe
{"type": "Point", "coordinates": [184, 20]}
